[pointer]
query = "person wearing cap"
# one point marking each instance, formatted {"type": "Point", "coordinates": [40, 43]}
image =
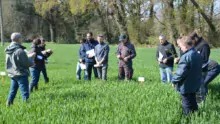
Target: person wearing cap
{"type": "Point", "coordinates": [203, 48]}
{"type": "Point", "coordinates": [89, 56]}
{"type": "Point", "coordinates": [187, 79]}
{"type": "Point", "coordinates": [125, 53]}
{"type": "Point", "coordinates": [101, 57]}
{"type": "Point", "coordinates": [17, 66]}
{"type": "Point", "coordinates": [44, 69]}
{"type": "Point", "coordinates": [81, 56]}
{"type": "Point", "coordinates": [165, 56]}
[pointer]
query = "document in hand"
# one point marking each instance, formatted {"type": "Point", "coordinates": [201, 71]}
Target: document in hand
{"type": "Point", "coordinates": [91, 52]}
{"type": "Point", "coordinates": [160, 56]}
{"type": "Point", "coordinates": [97, 65]}
{"type": "Point", "coordinates": [83, 66]}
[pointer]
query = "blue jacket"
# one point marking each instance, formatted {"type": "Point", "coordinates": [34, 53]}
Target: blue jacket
{"type": "Point", "coordinates": [189, 72]}
{"type": "Point", "coordinates": [89, 45]}
{"type": "Point", "coordinates": [81, 53]}
{"type": "Point", "coordinates": [102, 51]}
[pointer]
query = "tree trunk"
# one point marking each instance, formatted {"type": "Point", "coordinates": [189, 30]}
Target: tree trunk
{"type": "Point", "coordinates": [1, 24]}
{"type": "Point", "coordinates": [171, 21]}
{"type": "Point", "coordinates": [52, 33]}
{"type": "Point", "coordinates": [120, 17]}
{"type": "Point", "coordinates": [183, 17]}
{"type": "Point", "coordinates": [208, 21]}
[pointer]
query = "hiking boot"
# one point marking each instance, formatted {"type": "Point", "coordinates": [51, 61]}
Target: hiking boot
{"type": "Point", "coordinates": [9, 103]}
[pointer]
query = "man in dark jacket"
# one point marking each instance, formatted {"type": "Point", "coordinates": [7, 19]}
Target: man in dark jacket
{"type": "Point", "coordinates": [17, 66]}
{"type": "Point", "coordinates": [202, 47]}
{"type": "Point", "coordinates": [165, 56]}
{"type": "Point", "coordinates": [81, 56]}
{"type": "Point", "coordinates": [125, 53]}
{"type": "Point", "coordinates": [188, 76]}
{"type": "Point", "coordinates": [88, 49]}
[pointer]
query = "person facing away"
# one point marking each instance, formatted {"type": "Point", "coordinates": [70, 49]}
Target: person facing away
{"type": "Point", "coordinates": [187, 79]}
{"type": "Point", "coordinates": [81, 56]}
{"type": "Point", "coordinates": [165, 56]}
{"type": "Point", "coordinates": [101, 57]}
{"type": "Point", "coordinates": [17, 66]}
{"type": "Point", "coordinates": [125, 53]}
{"type": "Point", "coordinates": [90, 58]}
{"type": "Point", "coordinates": [203, 48]}
{"type": "Point", "coordinates": [44, 69]}
{"type": "Point", "coordinates": [39, 64]}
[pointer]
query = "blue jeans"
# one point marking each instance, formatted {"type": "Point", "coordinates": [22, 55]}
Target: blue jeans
{"type": "Point", "coordinates": [35, 76]}
{"type": "Point", "coordinates": [78, 71]}
{"type": "Point", "coordinates": [166, 74]}
{"type": "Point", "coordinates": [19, 82]}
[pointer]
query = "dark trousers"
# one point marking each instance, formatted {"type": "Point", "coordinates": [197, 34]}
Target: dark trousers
{"type": "Point", "coordinates": [102, 72]}
{"type": "Point", "coordinates": [189, 103]}
{"type": "Point", "coordinates": [125, 71]}
{"type": "Point", "coordinates": [88, 72]}
{"type": "Point", "coordinates": [211, 75]}
{"type": "Point", "coordinates": [44, 72]}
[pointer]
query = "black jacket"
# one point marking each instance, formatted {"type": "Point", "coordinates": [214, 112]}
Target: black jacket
{"type": "Point", "coordinates": [39, 60]}
{"type": "Point", "coordinates": [202, 47]}
{"type": "Point", "coordinates": [169, 52]}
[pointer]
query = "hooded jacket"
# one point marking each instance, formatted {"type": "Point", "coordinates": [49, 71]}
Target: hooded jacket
{"type": "Point", "coordinates": [17, 62]}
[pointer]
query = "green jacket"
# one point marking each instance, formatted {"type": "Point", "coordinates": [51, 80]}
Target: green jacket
{"type": "Point", "coordinates": [17, 62]}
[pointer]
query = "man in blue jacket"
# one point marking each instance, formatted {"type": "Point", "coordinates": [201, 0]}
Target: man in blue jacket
{"type": "Point", "coordinates": [89, 57]}
{"type": "Point", "coordinates": [187, 78]}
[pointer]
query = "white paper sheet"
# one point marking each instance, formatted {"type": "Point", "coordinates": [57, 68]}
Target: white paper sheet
{"type": "Point", "coordinates": [2, 73]}
{"type": "Point", "coordinates": [83, 66]}
{"type": "Point", "coordinates": [91, 52]}
{"type": "Point", "coordinates": [97, 65]}
{"type": "Point", "coordinates": [160, 56]}
{"type": "Point", "coordinates": [141, 79]}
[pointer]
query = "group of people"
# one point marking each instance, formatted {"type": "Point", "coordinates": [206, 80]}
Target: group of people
{"type": "Point", "coordinates": [194, 71]}
{"type": "Point", "coordinates": [94, 55]}
{"type": "Point", "coordinates": [20, 63]}
{"type": "Point", "coordinates": [193, 74]}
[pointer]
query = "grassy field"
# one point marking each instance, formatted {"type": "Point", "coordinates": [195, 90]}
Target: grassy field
{"type": "Point", "coordinates": [66, 100]}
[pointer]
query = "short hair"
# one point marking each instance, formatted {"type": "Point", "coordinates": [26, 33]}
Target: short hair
{"type": "Point", "coordinates": [187, 40]}
{"type": "Point", "coordinates": [194, 35]}
{"type": "Point", "coordinates": [90, 33]}
{"type": "Point", "coordinates": [37, 41]}
{"type": "Point", "coordinates": [15, 36]}
{"type": "Point", "coordinates": [83, 40]}
{"type": "Point", "coordinates": [162, 37]}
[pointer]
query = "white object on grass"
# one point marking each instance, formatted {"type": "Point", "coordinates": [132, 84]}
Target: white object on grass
{"type": "Point", "coordinates": [141, 79]}
{"type": "Point", "coordinates": [91, 52]}
{"type": "Point", "coordinates": [83, 66]}
{"type": "Point", "coordinates": [2, 73]}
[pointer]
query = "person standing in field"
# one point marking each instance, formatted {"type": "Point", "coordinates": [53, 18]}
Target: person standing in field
{"type": "Point", "coordinates": [101, 57]}
{"type": "Point", "coordinates": [39, 63]}
{"type": "Point", "coordinates": [44, 69]}
{"type": "Point", "coordinates": [81, 56]}
{"type": "Point", "coordinates": [88, 49]}
{"type": "Point", "coordinates": [187, 79]}
{"type": "Point", "coordinates": [125, 53]}
{"type": "Point", "coordinates": [17, 66]}
{"type": "Point", "coordinates": [202, 47]}
{"type": "Point", "coordinates": [165, 56]}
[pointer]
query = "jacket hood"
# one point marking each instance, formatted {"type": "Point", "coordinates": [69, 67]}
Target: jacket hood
{"type": "Point", "coordinates": [13, 47]}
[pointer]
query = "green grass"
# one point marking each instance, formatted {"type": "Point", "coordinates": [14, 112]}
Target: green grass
{"type": "Point", "coordinates": [65, 100]}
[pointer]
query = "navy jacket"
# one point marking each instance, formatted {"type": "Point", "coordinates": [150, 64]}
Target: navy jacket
{"type": "Point", "coordinates": [169, 52]}
{"type": "Point", "coordinates": [81, 53]}
{"type": "Point", "coordinates": [189, 72]}
{"type": "Point", "coordinates": [202, 47]}
{"type": "Point", "coordinates": [89, 45]}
